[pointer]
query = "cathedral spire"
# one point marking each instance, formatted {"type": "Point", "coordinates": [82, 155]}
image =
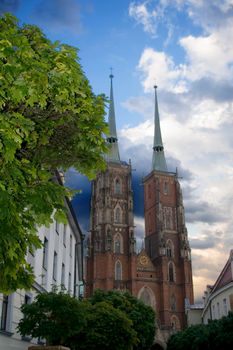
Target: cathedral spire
{"type": "Point", "coordinates": [113, 155]}
{"type": "Point", "coordinates": [158, 160]}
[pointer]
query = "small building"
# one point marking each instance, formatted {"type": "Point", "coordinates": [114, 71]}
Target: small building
{"type": "Point", "coordinates": [194, 313]}
{"type": "Point", "coordinates": [58, 263]}
{"type": "Point", "coordinates": [218, 299]}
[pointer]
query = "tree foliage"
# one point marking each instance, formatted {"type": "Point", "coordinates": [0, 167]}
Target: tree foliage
{"type": "Point", "coordinates": [142, 316]}
{"type": "Point", "coordinates": [216, 335]}
{"type": "Point", "coordinates": [49, 118]}
{"type": "Point", "coordinates": [63, 320]}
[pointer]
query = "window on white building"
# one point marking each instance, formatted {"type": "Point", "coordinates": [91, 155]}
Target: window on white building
{"type": "Point", "coordinates": [45, 253]}
{"type": "Point", "coordinates": [64, 235]}
{"type": "Point", "coordinates": [225, 310]}
{"type": "Point", "coordinates": [57, 227]}
{"type": "Point", "coordinates": [69, 283]}
{"type": "Point", "coordinates": [55, 266]}
{"type": "Point", "coordinates": [4, 312]}
{"type": "Point", "coordinates": [63, 274]}
{"type": "Point", "coordinates": [71, 245]}
{"type": "Point", "coordinates": [218, 310]}
{"type": "Point", "coordinates": [213, 312]}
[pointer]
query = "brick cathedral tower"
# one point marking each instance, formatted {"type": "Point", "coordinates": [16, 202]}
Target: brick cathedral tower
{"type": "Point", "coordinates": [166, 240]}
{"type": "Point", "coordinates": [160, 274]}
{"type": "Point", "coordinates": [111, 245]}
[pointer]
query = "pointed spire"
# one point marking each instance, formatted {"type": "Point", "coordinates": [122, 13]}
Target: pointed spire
{"type": "Point", "coordinates": [113, 155]}
{"type": "Point", "coordinates": [158, 160]}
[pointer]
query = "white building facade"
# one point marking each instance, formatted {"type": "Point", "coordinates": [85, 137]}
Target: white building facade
{"type": "Point", "coordinates": [218, 299]}
{"type": "Point", "coordinates": [58, 263]}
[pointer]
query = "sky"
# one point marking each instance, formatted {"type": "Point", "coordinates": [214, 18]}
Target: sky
{"type": "Point", "coordinates": [185, 47]}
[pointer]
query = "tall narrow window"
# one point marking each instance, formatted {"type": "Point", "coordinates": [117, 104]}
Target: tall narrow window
{"type": "Point", "coordinates": [218, 310]}
{"type": "Point", "coordinates": [213, 311]}
{"type": "Point", "coordinates": [55, 266]}
{"type": "Point", "coordinates": [63, 274]}
{"type": "Point", "coordinates": [117, 245]}
{"type": "Point", "coordinates": [169, 249]}
{"type": "Point", "coordinates": [64, 234]}
{"type": "Point", "coordinates": [4, 312]}
{"type": "Point", "coordinates": [165, 187]}
{"type": "Point", "coordinates": [71, 245]}
{"type": "Point", "coordinates": [117, 186]}
{"type": "Point", "coordinates": [225, 307]}
{"type": "Point", "coordinates": [57, 227]}
{"type": "Point", "coordinates": [69, 283]}
{"type": "Point", "coordinates": [118, 215]}
{"type": "Point", "coordinates": [118, 271]}
{"type": "Point", "coordinates": [171, 272]}
{"type": "Point", "coordinates": [45, 254]}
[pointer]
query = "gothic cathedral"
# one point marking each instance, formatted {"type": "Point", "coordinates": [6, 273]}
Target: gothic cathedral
{"type": "Point", "coordinates": [160, 274]}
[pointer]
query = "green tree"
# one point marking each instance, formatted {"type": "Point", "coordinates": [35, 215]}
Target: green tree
{"type": "Point", "coordinates": [216, 335]}
{"type": "Point", "coordinates": [107, 328]}
{"type": "Point", "coordinates": [63, 320]}
{"type": "Point", "coordinates": [55, 317]}
{"type": "Point", "coordinates": [142, 316]}
{"type": "Point", "coordinates": [49, 119]}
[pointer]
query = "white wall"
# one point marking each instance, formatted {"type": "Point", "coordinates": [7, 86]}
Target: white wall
{"type": "Point", "coordinates": [64, 245]}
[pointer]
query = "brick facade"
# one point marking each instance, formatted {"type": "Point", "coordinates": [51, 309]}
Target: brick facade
{"type": "Point", "coordinates": [160, 274]}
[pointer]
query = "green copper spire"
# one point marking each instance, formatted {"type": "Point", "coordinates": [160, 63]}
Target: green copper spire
{"type": "Point", "coordinates": [113, 155]}
{"type": "Point", "coordinates": [158, 160]}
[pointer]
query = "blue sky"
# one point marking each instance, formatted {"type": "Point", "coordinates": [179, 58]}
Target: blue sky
{"type": "Point", "coordinates": [185, 47]}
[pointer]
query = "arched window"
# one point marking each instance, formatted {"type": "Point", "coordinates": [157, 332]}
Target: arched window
{"type": "Point", "coordinates": [147, 296]}
{"type": "Point", "coordinates": [118, 271]}
{"type": "Point", "coordinates": [171, 272]}
{"type": "Point", "coordinates": [117, 186]}
{"type": "Point", "coordinates": [118, 244]}
{"type": "Point", "coordinates": [118, 215]}
{"type": "Point", "coordinates": [169, 249]}
{"type": "Point", "coordinates": [175, 323]}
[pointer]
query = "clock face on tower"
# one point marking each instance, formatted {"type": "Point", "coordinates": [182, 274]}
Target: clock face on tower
{"type": "Point", "coordinates": [144, 260]}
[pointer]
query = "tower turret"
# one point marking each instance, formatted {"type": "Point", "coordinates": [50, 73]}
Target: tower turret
{"type": "Point", "coordinates": [158, 160]}
{"type": "Point", "coordinates": [113, 155]}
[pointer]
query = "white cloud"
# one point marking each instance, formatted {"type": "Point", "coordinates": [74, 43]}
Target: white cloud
{"type": "Point", "coordinates": [143, 16]}
{"type": "Point", "coordinates": [158, 68]}
{"type": "Point", "coordinates": [195, 103]}
{"type": "Point", "coordinates": [210, 56]}
{"type": "Point", "coordinates": [207, 153]}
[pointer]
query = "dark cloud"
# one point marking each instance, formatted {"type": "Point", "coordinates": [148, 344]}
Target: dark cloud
{"type": "Point", "coordinates": [210, 240]}
{"type": "Point", "coordinates": [219, 91]}
{"type": "Point", "coordinates": [9, 6]}
{"type": "Point", "coordinates": [201, 211]}
{"type": "Point", "coordinates": [58, 15]}
{"type": "Point", "coordinates": [81, 201]}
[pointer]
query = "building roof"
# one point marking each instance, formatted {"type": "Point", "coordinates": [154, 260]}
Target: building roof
{"type": "Point", "coordinates": [226, 275]}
